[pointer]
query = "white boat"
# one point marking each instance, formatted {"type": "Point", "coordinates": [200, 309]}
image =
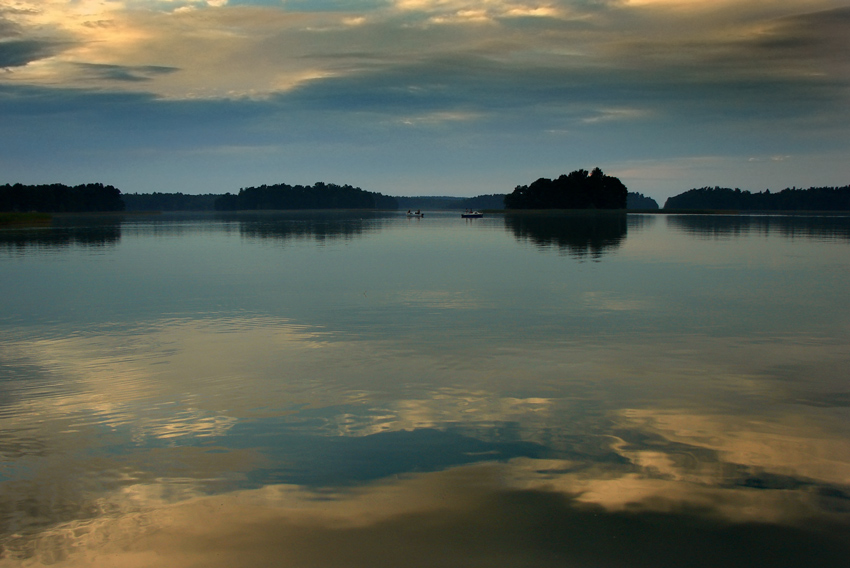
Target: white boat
{"type": "Point", "coordinates": [415, 214]}
{"type": "Point", "coordinates": [472, 214]}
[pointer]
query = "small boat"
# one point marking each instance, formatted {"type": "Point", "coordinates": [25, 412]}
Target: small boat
{"type": "Point", "coordinates": [415, 214]}
{"type": "Point", "coordinates": [472, 214]}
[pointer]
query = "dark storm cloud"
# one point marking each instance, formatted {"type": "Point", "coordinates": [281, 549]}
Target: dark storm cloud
{"type": "Point", "coordinates": [816, 37]}
{"type": "Point", "coordinates": [487, 85]}
{"type": "Point", "coordinates": [41, 120]}
{"type": "Point", "coordinates": [796, 48]}
{"type": "Point", "coordinates": [19, 52]}
{"type": "Point", "coordinates": [19, 47]}
{"type": "Point", "coordinates": [118, 111]}
{"type": "Point", "coordinates": [123, 72]}
{"type": "Point", "coordinates": [8, 29]}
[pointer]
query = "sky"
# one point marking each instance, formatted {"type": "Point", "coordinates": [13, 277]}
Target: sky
{"type": "Point", "coordinates": [424, 97]}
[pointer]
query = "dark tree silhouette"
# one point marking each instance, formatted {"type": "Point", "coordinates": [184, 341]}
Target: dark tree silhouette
{"type": "Point", "coordinates": [640, 201]}
{"type": "Point", "coordinates": [318, 196]}
{"type": "Point", "coordinates": [576, 190]}
{"type": "Point", "coordinates": [491, 201]}
{"type": "Point", "coordinates": [793, 199]}
{"type": "Point", "coordinates": [58, 198]}
{"type": "Point", "coordinates": [169, 202]}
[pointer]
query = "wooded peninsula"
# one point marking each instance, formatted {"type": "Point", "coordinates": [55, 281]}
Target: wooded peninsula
{"type": "Point", "coordinates": [318, 196]}
{"type": "Point", "coordinates": [58, 198]}
{"type": "Point", "coordinates": [724, 198]}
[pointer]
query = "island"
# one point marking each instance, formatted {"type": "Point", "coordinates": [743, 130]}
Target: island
{"type": "Point", "coordinates": [576, 190]}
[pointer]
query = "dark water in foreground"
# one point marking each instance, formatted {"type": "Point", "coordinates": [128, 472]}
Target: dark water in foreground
{"type": "Point", "coordinates": [322, 390]}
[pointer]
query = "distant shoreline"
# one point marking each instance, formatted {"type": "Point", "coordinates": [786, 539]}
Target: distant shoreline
{"type": "Point", "coordinates": [776, 212]}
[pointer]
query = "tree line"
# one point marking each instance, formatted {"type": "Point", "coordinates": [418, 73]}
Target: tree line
{"type": "Point", "coordinates": [448, 203]}
{"type": "Point", "coordinates": [169, 201]}
{"type": "Point", "coordinates": [792, 199]}
{"type": "Point", "coordinates": [578, 190]}
{"type": "Point", "coordinates": [635, 200]}
{"type": "Point", "coordinates": [317, 196]}
{"type": "Point", "coordinates": [59, 198]}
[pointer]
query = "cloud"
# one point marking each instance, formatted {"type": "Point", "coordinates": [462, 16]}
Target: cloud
{"type": "Point", "coordinates": [633, 56]}
{"type": "Point", "coordinates": [628, 80]}
{"type": "Point", "coordinates": [769, 158]}
{"type": "Point", "coordinates": [609, 114]}
{"type": "Point", "coordinates": [816, 36]}
{"type": "Point", "coordinates": [344, 6]}
{"type": "Point", "coordinates": [16, 53]}
{"type": "Point", "coordinates": [124, 73]}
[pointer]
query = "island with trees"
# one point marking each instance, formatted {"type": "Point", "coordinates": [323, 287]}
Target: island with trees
{"type": "Point", "coordinates": [576, 190]}
{"type": "Point", "coordinates": [496, 201]}
{"type": "Point", "coordinates": [318, 196]}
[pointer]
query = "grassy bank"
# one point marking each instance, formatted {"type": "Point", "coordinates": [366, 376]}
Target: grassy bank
{"type": "Point", "coordinates": [24, 219]}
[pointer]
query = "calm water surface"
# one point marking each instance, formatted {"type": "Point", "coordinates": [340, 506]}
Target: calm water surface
{"type": "Point", "coordinates": [322, 390]}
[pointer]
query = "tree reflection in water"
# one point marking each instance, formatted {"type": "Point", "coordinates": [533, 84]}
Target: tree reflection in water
{"type": "Point", "coordinates": [319, 226]}
{"type": "Point", "coordinates": [97, 234]}
{"type": "Point", "coordinates": [827, 227]}
{"type": "Point", "coordinates": [580, 234]}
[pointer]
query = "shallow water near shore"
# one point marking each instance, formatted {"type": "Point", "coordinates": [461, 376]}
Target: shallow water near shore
{"type": "Point", "coordinates": [366, 389]}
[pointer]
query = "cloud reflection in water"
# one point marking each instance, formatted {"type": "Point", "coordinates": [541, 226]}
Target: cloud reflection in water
{"type": "Point", "coordinates": [590, 471]}
{"type": "Point", "coordinates": [484, 515]}
{"type": "Point", "coordinates": [644, 410]}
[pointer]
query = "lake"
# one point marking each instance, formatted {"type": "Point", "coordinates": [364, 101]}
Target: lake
{"type": "Point", "coordinates": [362, 389]}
